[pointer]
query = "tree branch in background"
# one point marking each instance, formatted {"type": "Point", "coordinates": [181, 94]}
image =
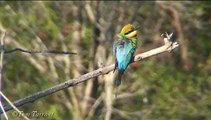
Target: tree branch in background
{"type": "Point", "coordinates": [168, 46]}
{"type": "Point", "coordinates": [1, 69]}
{"type": "Point", "coordinates": [38, 51]}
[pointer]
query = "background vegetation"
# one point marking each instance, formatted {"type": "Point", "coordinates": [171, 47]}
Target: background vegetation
{"type": "Point", "coordinates": [174, 86]}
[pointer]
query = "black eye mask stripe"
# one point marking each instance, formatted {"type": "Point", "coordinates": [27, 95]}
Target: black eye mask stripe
{"type": "Point", "coordinates": [129, 32]}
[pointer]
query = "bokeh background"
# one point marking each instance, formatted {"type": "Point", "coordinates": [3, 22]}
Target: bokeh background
{"type": "Point", "coordinates": [169, 86]}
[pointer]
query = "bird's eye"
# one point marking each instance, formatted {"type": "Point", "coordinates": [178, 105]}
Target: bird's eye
{"type": "Point", "coordinates": [128, 32]}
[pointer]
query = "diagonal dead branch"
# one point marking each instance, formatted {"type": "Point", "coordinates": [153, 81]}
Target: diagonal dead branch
{"type": "Point", "coordinates": [88, 76]}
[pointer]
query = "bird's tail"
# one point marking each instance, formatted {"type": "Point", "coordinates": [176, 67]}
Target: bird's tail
{"type": "Point", "coordinates": [119, 77]}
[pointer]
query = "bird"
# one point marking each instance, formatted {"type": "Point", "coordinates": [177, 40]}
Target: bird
{"type": "Point", "coordinates": [124, 47]}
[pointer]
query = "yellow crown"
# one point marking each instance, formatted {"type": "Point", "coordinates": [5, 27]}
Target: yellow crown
{"type": "Point", "coordinates": [127, 28]}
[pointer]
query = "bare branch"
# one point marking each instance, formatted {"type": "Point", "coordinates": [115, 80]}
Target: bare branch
{"type": "Point", "coordinates": [38, 51]}
{"type": "Point", "coordinates": [95, 105]}
{"type": "Point", "coordinates": [88, 76]}
{"type": "Point", "coordinates": [2, 57]}
{"type": "Point", "coordinates": [91, 16]}
{"type": "Point", "coordinates": [1, 69]}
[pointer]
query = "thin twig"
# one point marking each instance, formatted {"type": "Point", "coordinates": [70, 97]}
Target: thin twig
{"type": "Point", "coordinates": [14, 107]}
{"type": "Point", "coordinates": [91, 16]}
{"type": "Point", "coordinates": [88, 76]}
{"type": "Point", "coordinates": [1, 69]}
{"type": "Point", "coordinates": [95, 105]}
{"type": "Point", "coordinates": [38, 51]}
{"type": "Point", "coordinates": [2, 58]}
{"type": "Point", "coordinates": [126, 114]}
{"type": "Point", "coordinates": [2, 108]}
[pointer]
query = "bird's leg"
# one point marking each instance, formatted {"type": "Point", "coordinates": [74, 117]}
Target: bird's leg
{"type": "Point", "coordinates": [115, 66]}
{"type": "Point", "coordinates": [132, 59]}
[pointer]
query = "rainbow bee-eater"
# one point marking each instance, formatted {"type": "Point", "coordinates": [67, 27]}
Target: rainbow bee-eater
{"type": "Point", "coordinates": [123, 48]}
